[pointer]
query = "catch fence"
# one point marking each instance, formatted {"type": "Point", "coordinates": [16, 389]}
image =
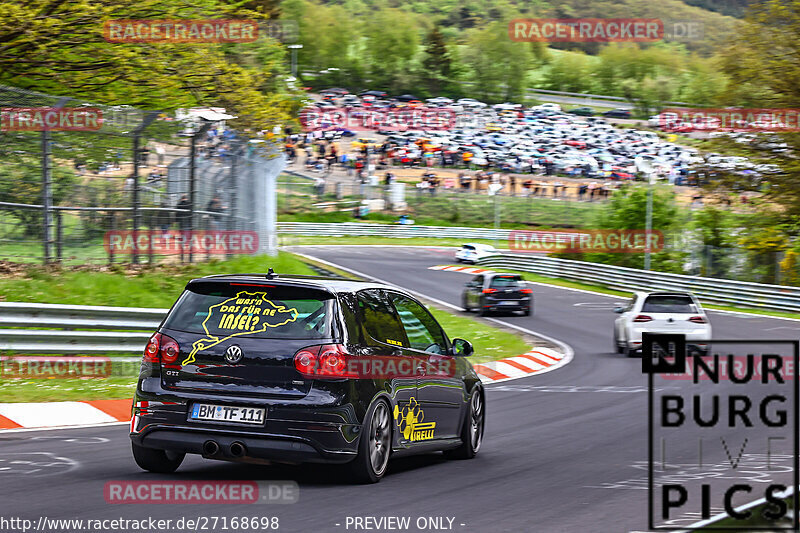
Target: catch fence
{"type": "Point", "coordinates": [140, 187]}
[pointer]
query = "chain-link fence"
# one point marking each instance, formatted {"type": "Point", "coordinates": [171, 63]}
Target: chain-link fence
{"type": "Point", "coordinates": [86, 183]}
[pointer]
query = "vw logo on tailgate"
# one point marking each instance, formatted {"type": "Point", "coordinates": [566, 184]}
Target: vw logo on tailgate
{"type": "Point", "coordinates": [233, 354]}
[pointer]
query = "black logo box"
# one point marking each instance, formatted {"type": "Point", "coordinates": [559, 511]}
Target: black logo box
{"type": "Point", "coordinates": [672, 358]}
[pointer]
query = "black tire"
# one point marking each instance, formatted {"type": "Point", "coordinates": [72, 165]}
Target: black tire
{"type": "Point", "coordinates": [617, 347]}
{"type": "Point", "coordinates": [483, 311]}
{"type": "Point", "coordinates": [158, 461]}
{"type": "Point", "coordinates": [467, 308]}
{"type": "Point", "coordinates": [529, 311]}
{"type": "Point", "coordinates": [471, 429]}
{"type": "Point", "coordinates": [374, 446]}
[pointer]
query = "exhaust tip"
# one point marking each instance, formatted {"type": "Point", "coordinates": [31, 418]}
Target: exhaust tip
{"type": "Point", "coordinates": [210, 447]}
{"type": "Point", "coordinates": [238, 449]}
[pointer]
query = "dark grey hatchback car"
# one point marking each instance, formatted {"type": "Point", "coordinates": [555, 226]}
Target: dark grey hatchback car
{"type": "Point", "coordinates": [249, 367]}
{"type": "Point", "coordinates": [493, 292]}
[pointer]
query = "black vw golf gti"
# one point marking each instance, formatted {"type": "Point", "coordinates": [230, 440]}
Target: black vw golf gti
{"type": "Point", "coordinates": [257, 368]}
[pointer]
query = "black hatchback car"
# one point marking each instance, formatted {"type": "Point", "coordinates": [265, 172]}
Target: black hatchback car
{"type": "Point", "coordinates": [492, 292]}
{"type": "Point", "coordinates": [617, 113]}
{"type": "Point", "coordinates": [296, 369]}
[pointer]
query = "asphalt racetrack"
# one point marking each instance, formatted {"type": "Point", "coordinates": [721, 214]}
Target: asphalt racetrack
{"type": "Point", "coordinates": [564, 451]}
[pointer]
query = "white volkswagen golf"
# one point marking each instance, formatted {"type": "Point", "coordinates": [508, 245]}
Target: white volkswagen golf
{"type": "Point", "coordinates": [660, 312]}
{"type": "Point", "coordinates": [472, 252]}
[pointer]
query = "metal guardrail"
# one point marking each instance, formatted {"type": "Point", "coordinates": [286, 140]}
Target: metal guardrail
{"type": "Point", "coordinates": [599, 97]}
{"type": "Point", "coordinates": [399, 231]}
{"type": "Point", "coordinates": [76, 329]}
{"type": "Point", "coordinates": [711, 290]}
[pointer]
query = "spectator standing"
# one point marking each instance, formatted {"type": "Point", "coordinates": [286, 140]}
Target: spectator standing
{"type": "Point", "coordinates": [215, 207]}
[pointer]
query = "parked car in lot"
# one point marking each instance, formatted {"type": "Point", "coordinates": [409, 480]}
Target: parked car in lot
{"type": "Point", "coordinates": [494, 292]}
{"type": "Point", "coordinates": [249, 368]}
{"type": "Point", "coordinates": [582, 111]}
{"type": "Point", "coordinates": [472, 252]}
{"type": "Point", "coordinates": [660, 312]}
{"type": "Point", "coordinates": [617, 113]}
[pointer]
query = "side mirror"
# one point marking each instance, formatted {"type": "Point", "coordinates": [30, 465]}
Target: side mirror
{"type": "Point", "coordinates": [462, 348]}
{"type": "Point", "coordinates": [619, 309]}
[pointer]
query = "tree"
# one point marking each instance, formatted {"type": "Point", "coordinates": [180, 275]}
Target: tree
{"type": "Point", "coordinates": [765, 49]}
{"type": "Point", "coordinates": [715, 228]}
{"type": "Point", "coordinates": [498, 65]}
{"type": "Point", "coordinates": [391, 43]}
{"type": "Point", "coordinates": [627, 209]}
{"type": "Point", "coordinates": [21, 183]}
{"type": "Point", "coordinates": [59, 48]}
{"type": "Point", "coordinates": [569, 71]}
{"type": "Point", "coordinates": [436, 62]}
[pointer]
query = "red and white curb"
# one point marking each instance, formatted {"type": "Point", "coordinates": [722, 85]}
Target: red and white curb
{"type": "Point", "coordinates": [464, 269]}
{"type": "Point", "coordinates": [63, 414]}
{"type": "Point", "coordinates": [536, 361]}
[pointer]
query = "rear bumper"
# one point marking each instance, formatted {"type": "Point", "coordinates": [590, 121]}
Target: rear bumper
{"type": "Point", "coordinates": [496, 305]}
{"type": "Point", "coordinates": [692, 336]}
{"type": "Point", "coordinates": [697, 339]}
{"type": "Point", "coordinates": [279, 448]}
{"type": "Point", "coordinates": [321, 427]}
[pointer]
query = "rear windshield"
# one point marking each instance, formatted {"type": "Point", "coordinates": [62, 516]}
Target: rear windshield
{"type": "Point", "coordinates": [506, 282]}
{"type": "Point", "coordinates": [261, 311]}
{"type": "Point", "coordinates": [669, 304]}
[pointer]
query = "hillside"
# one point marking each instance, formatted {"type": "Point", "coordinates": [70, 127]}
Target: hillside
{"type": "Point", "coordinates": [456, 16]}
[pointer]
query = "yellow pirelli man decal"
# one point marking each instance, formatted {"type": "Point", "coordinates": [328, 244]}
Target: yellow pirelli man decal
{"type": "Point", "coordinates": [409, 421]}
{"type": "Point", "coordinates": [244, 314]}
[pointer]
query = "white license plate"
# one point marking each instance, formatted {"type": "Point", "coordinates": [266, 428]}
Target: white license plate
{"type": "Point", "coordinates": [228, 413]}
{"type": "Point", "coordinates": [508, 302]}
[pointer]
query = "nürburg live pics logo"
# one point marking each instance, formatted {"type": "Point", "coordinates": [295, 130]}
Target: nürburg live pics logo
{"type": "Point", "coordinates": [722, 433]}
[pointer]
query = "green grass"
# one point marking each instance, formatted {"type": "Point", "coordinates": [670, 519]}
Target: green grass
{"type": "Point", "coordinates": [490, 343]}
{"type": "Point", "coordinates": [159, 286]}
{"type": "Point", "coordinates": [63, 390]}
{"type": "Point", "coordinates": [156, 286]}
{"type": "Point", "coordinates": [449, 209]}
{"type": "Point", "coordinates": [627, 294]}
{"type": "Point", "coordinates": [756, 521]}
{"type": "Point", "coordinates": [298, 240]}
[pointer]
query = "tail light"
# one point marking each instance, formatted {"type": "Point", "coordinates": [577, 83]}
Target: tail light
{"type": "Point", "coordinates": [489, 291]}
{"type": "Point", "coordinates": [526, 291]}
{"type": "Point", "coordinates": [698, 320]}
{"type": "Point", "coordinates": [324, 361]}
{"type": "Point", "coordinates": [161, 348]}
{"type": "Point", "coordinates": [643, 318]}
{"type": "Point", "coordinates": [151, 350]}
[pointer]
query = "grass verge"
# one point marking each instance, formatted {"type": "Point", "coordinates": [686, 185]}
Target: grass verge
{"type": "Point", "coordinates": [300, 240]}
{"type": "Point", "coordinates": [558, 282]}
{"type": "Point", "coordinates": [159, 286]}
{"type": "Point", "coordinates": [490, 343]}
